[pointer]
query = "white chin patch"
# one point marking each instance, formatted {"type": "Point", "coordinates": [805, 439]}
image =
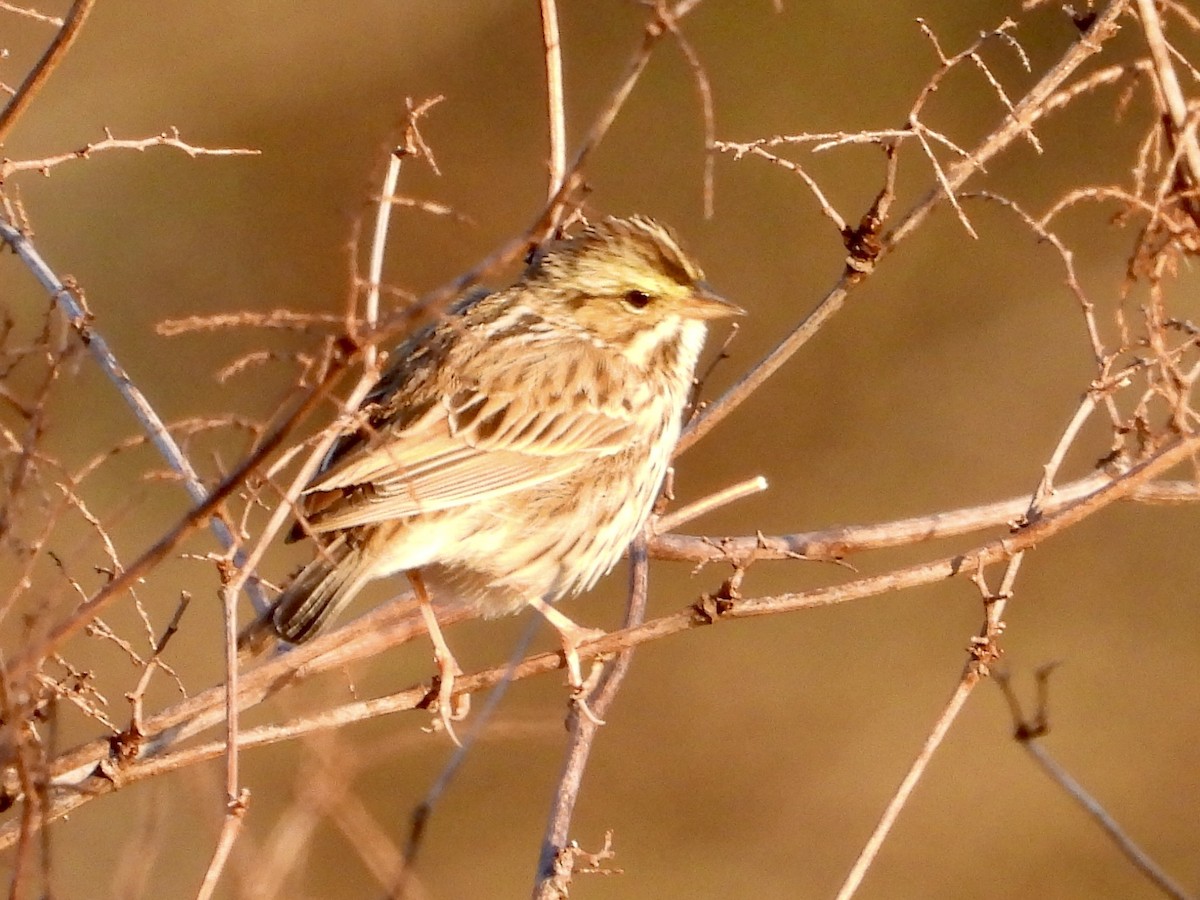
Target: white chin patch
{"type": "Point", "coordinates": [641, 349]}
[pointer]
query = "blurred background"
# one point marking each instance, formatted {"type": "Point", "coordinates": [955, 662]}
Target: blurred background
{"type": "Point", "coordinates": [750, 759]}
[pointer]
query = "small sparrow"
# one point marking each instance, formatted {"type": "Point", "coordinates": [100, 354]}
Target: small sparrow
{"type": "Point", "coordinates": [515, 447]}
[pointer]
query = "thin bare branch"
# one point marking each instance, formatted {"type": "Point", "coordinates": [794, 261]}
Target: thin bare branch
{"type": "Point", "coordinates": [282, 319]}
{"type": "Point", "coordinates": [389, 626]}
{"type": "Point", "coordinates": [704, 89]}
{"type": "Point", "coordinates": [756, 149]}
{"type": "Point", "coordinates": [234, 817]}
{"type": "Point", "coordinates": [37, 76]}
{"type": "Point", "coordinates": [556, 114]}
{"type": "Point", "coordinates": [937, 734]}
{"type": "Point", "coordinates": [705, 505]}
{"type": "Point", "coordinates": [28, 13]}
{"type": "Point", "coordinates": [1168, 83]}
{"type": "Point", "coordinates": [556, 861]}
{"type": "Point", "coordinates": [171, 138]}
{"type": "Point", "coordinates": [82, 320]}
{"type": "Point", "coordinates": [1028, 733]}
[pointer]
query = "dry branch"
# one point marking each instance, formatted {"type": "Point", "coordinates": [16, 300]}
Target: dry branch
{"type": "Point", "coordinates": [1143, 387]}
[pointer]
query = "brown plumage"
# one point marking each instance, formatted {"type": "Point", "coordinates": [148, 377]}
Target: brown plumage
{"type": "Point", "coordinates": [514, 448]}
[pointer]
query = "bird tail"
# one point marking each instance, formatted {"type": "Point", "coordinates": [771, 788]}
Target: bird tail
{"type": "Point", "coordinates": [312, 599]}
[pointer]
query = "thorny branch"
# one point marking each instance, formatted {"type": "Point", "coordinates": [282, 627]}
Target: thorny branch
{"type": "Point", "coordinates": [556, 861]}
{"type": "Point", "coordinates": [95, 769]}
{"type": "Point", "coordinates": [1149, 441]}
{"type": "Point", "coordinates": [171, 138]}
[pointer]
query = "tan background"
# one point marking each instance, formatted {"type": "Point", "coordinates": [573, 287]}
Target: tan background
{"type": "Point", "coordinates": [746, 760]}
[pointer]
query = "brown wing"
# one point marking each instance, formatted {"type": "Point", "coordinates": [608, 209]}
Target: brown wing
{"type": "Point", "coordinates": [470, 446]}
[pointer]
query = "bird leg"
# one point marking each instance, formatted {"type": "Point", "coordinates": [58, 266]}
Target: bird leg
{"type": "Point", "coordinates": [448, 668]}
{"type": "Point", "coordinates": [572, 635]}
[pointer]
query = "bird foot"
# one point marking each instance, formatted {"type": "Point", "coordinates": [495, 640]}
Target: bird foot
{"type": "Point", "coordinates": [580, 692]}
{"type": "Point", "coordinates": [447, 707]}
{"type": "Point", "coordinates": [572, 635]}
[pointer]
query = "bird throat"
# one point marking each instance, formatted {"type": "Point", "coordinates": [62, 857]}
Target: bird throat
{"type": "Point", "coordinates": [669, 345]}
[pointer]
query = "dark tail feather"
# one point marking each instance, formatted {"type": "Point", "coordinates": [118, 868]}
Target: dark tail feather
{"type": "Point", "coordinates": [314, 597]}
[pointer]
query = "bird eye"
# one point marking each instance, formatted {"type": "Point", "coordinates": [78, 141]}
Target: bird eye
{"type": "Point", "coordinates": [637, 299]}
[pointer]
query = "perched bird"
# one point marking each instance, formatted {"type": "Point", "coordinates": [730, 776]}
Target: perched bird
{"type": "Point", "coordinates": [515, 447]}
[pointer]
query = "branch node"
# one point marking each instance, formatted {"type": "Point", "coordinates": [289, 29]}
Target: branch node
{"type": "Point", "coordinates": [572, 855]}
{"type": "Point", "coordinates": [984, 650]}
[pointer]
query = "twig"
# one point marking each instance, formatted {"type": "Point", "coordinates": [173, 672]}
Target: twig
{"type": "Point", "coordinates": [938, 733]}
{"type": "Point", "coordinates": [30, 14]}
{"type": "Point", "coordinates": [555, 862]}
{"type": "Point", "coordinates": [171, 138]}
{"type": "Point", "coordinates": [276, 318]}
{"type": "Point", "coordinates": [704, 90]}
{"type": "Point", "coordinates": [1168, 83]}
{"type": "Point", "coordinates": [940, 175]}
{"type": "Point", "coordinates": [1020, 121]}
{"type": "Point", "coordinates": [1041, 229]}
{"type": "Point", "coordinates": [136, 697]}
{"type": "Point", "coordinates": [756, 149]}
{"type": "Point", "coordinates": [48, 63]}
{"type": "Point", "coordinates": [392, 625]}
{"type": "Point", "coordinates": [236, 797]}
{"type": "Point", "coordinates": [556, 105]}
{"type": "Point", "coordinates": [822, 140]}
{"type": "Point", "coordinates": [705, 505]}
{"type": "Point", "coordinates": [1027, 733]}
{"type": "Point", "coordinates": [383, 218]}
{"type": "Point", "coordinates": [1135, 854]}
{"type": "Point", "coordinates": [235, 815]}
{"type": "Point", "coordinates": [83, 323]}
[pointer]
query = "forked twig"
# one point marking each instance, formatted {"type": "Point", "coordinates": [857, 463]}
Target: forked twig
{"type": "Point", "coordinates": [1019, 121]}
{"type": "Point", "coordinates": [1028, 733]}
{"type": "Point", "coordinates": [556, 862]}
{"type": "Point", "coordinates": [1165, 360]}
{"type": "Point", "coordinates": [84, 324]}
{"type": "Point", "coordinates": [1168, 83]}
{"type": "Point", "coordinates": [391, 625]}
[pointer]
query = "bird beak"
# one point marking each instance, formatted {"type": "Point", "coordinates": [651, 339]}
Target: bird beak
{"type": "Point", "coordinates": [708, 304]}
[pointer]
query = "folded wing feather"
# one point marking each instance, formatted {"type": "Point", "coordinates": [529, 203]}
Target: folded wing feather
{"type": "Point", "coordinates": [468, 449]}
